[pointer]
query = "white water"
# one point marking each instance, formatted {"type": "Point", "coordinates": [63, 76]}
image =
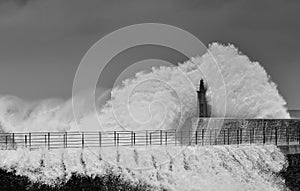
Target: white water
{"type": "Point", "coordinates": [162, 99]}
{"type": "Point", "coordinates": [203, 168]}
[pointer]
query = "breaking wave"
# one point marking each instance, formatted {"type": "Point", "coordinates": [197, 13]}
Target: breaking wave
{"type": "Point", "coordinates": [164, 98]}
{"type": "Point", "coordinates": [196, 168]}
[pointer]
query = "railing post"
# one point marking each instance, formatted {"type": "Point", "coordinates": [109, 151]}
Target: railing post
{"type": "Point", "coordinates": [118, 139]}
{"type": "Point", "coordinates": [13, 140]}
{"type": "Point", "coordinates": [189, 136]}
{"type": "Point", "coordinates": [160, 137]}
{"type": "Point", "coordinates": [131, 136]}
{"type": "Point", "coordinates": [299, 132]}
{"type": "Point", "coordinates": [45, 141]}
{"type": "Point", "coordinates": [264, 132]}
{"type": "Point", "coordinates": [228, 136]}
{"type": "Point", "coordinates": [282, 132]}
{"type": "Point", "coordinates": [150, 138]}
{"type": "Point", "coordinates": [297, 136]}
{"type": "Point", "coordinates": [196, 136]}
{"type": "Point", "coordinates": [82, 140]}
{"type": "Point", "coordinates": [202, 136]}
{"type": "Point", "coordinates": [66, 139]}
{"type": "Point", "coordinates": [134, 139]}
{"type": "Point", "coordinates": [237, 136]}
{"type": "Point", "coordinates": [100, 139]}
{"type": "Point", "coordinates": [241, 136]}
{"type": "Point", "coordinates": [251, 135]}
{"type": "Point", "coordinates": [115, 138]}
{"type": "Point", "coordinates": [5, 142]}
{"type": "Point", "coordinates": [215, 137]}
{"type": "Point", "coordinates": [29, 141]}
{"type": "Point", "coordinates": [146, 137]}
{"type": "Point", "coordinates": [210, 137]}
{"type": "Point", "coordinates": [224, 135]}
{"type": "Point", "coordinates": [248, 130]}
{"type": "Point", "coordinates": [48, 140]}
{"type": "Point", "coordinates": [287, 135]}
{"type": "Point", "coordinates": [276, 135]}
{"type": "Point", "coordinates": [166, 138]}
{"type": "Point", "coordinates": [25, 141]}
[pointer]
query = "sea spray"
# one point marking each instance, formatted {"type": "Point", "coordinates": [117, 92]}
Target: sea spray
{"type": "Point", "coordinates": [209, 168]}
{"type": "Point", "coordinates": [164, 98]}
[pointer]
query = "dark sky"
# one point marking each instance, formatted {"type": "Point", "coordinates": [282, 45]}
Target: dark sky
{"type": "Point", "coordinates": [43, 41]}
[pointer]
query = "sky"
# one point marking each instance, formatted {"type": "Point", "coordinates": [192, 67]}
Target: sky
{"type": "Point", "coordinates": [43, 41]}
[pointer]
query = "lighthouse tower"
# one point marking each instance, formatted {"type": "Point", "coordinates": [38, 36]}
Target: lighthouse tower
{"type": "Point", "coordinates": [203, 108]}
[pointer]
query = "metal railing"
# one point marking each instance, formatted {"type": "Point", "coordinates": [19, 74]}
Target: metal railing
{"type": "Point", "coordinates": [283, 133]}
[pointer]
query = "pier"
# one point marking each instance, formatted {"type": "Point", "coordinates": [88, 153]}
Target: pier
{"type": "Point", "coordinates": [283, 133]}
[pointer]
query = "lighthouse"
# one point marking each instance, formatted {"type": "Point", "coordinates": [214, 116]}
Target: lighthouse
{"type": "Point", "coordinates": [203, 108]}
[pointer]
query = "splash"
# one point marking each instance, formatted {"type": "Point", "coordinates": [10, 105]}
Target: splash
{"type": "Point", "coordinates": [196, 168]}
{"type": "Point", "coordinates": [164, 98]}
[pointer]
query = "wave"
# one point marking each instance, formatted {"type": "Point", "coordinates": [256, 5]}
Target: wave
{"type": "Point", "coordinates": [164, 98]}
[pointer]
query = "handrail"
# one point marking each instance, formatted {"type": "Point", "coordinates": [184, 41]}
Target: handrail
{"type": "Point", "coordinates": [284, 133]}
